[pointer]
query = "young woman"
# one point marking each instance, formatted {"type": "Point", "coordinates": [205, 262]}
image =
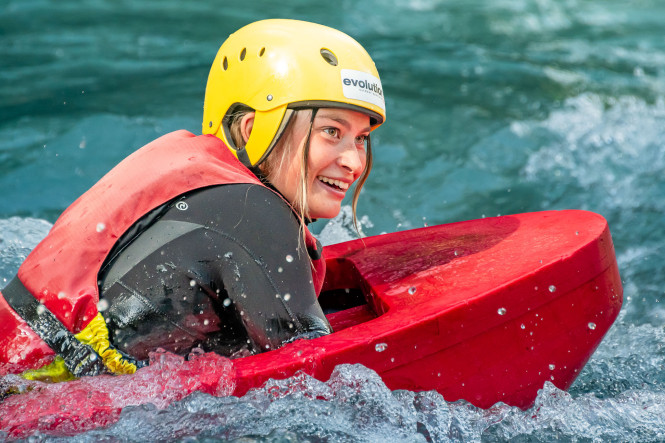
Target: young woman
{"type": "Point", "coordinates": [202, 241]}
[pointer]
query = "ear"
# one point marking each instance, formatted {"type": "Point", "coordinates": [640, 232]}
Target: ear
{"type": "Point", "coordinates": [246, 125]}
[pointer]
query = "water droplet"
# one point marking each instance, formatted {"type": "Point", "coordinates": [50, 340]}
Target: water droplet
{"type": "Point", "coordinates": [206, 322]}
{"type": "Point", "coordinates": [380, 347]}
{"type": "Point", "coordinates": [289, 258]}
{"type": "Point", "coordinates": [412, 290]}
{"type": "Point", "coordinates": [592, 326]}
{"type": "Point", "coordinates": [227, 302]}
{"type": "Point", "coordinates": [392, 359]}
{"type": "Point", "coordinates": [287, 296]}
{"type": "Point", "coordinates": [102, 305]}
{"type": "Point", "coordinates": [192, 283]}
{"type": "Point", "coordinates": [577, 232]}
{"type": "Point", "coordinates": [552, 367]}
{"type": "Point", "coordinates": [100, 227]}
{"type": "Point", "coordinates": [61, 295]}
{"type": "Point", "coordinates": [41, 309]}
{"type": "Point", "coordinates": [501, 311]}
{"type": "Point", "coordinates": [552, 288]}
{"type": "Point", "coordinates": [522, 326]}
{"type": "Point", "coordinates": [280, 269]}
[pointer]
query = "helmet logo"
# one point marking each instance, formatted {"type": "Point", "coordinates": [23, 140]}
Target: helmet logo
{"type": "Point", "coordinates": [359, 85]}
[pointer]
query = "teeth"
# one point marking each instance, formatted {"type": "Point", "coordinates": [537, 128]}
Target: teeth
{"type": "Point", "coordinates": [338, 183]}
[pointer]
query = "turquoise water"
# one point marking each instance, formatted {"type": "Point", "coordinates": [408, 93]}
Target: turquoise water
{"type": "Point", "coordinates": [493, 108]}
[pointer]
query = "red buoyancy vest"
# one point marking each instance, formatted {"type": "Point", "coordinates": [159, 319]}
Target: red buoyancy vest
{"type": "Point", "coordinates": [62, 270]}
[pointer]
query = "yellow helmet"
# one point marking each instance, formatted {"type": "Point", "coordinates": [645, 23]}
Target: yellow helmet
{"type": "Point", "coordinates": [275, 66]}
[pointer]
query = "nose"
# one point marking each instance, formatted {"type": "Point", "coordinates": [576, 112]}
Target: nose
{"type": "Point", "coordinates": [352, 160]}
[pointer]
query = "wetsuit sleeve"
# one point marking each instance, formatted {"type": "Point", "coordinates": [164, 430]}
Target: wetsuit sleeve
{"type": "Point", "coordinates": [233, 250]}
{"type": "Point", "coordinates": [264, 266]}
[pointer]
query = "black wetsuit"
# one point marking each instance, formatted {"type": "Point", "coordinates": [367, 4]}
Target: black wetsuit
{"type": "Point", "coordinates": [222, 268]}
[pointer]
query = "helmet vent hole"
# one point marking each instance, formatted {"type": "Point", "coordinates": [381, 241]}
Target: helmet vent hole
{"type": "Point", "coordinates": [225, 64]}
{"type": "Point", "coordinates": [262, 51]}
{"type": "Point", "coordinates": [243, 53]}
{"type": "Point", "coordinates": [329, 57]}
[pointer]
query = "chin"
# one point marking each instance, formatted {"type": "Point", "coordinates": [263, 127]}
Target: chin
{"type": "Point", "coordinates": [328, 212]}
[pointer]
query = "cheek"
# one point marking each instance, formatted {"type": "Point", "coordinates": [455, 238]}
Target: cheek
{"type": "Point", "coordinates": [320, 157]}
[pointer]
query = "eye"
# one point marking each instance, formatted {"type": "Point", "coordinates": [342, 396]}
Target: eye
{"type": "Point", "coordinates": [333, 132]}
{"type": "Point", "coordinates": [361, 139]}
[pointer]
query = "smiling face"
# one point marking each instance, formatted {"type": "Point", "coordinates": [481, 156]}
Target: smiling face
{"type": "Point", "coordinates": [337, 157]}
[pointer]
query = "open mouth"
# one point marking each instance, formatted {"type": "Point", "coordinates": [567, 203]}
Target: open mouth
{"type": "Point", "coordinates": [335, 184]}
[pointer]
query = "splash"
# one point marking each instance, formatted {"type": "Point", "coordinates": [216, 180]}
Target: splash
{"type": "Point", "coordinates": [72, 407]}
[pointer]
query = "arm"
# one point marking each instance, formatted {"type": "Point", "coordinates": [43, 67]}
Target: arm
{"type": "Point", "coordinates": [263, 264]}
{"type": "Point", "coordinates": [220, 268]}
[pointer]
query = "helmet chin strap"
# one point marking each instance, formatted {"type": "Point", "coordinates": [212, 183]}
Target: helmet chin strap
{"type": "Point", "coordinates": [261, 176]}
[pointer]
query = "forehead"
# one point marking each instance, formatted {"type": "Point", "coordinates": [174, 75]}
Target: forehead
{"type": "Point", "coordinates": [348, 116]}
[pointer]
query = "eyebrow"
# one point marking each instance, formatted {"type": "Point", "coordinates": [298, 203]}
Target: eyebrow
{"type": "Point", "coordinates": [342, 121]}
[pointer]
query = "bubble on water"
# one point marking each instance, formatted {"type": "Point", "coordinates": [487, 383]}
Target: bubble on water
{"type": "Point", "coordinates": [289, 258]}
{"type": "Point", "coordinates": [287, 296]}
{"type": "Point", "coordinates": [380, 347]}
{"type": "Point", "coordinates": [412, 290]}
{"type": "Point", "coordinates": [592, 325]}
{"type": "Point", "coordinates": [100, 227]}
{"type": "Point", "coordinates": [227, 302]}
{"type": "Point", "coordinates": [552, 288]}
{"type": "Point", "coordinates": [501, 311]}
{"type": "Point", "coordinates": [102, 305]}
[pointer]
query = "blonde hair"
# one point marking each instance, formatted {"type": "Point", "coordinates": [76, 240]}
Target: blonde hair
{"type": "Point", "coordinates": [278, 158]}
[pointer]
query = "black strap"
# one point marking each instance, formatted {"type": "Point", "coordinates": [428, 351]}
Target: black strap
{"type": "Point", "coordinates": [80, 359]}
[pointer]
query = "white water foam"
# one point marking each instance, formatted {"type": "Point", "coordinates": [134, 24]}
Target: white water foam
{"type": "Point", "coordinates": [18, 236]}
